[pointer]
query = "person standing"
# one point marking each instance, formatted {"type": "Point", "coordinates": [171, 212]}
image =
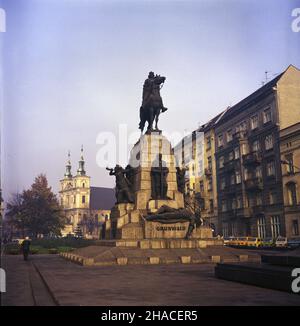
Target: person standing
{"type": "Point", "coordinates": [25, 248]}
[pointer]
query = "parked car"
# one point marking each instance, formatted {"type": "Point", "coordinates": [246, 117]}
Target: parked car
{"type": "Point", "coordinates": [228, 241]}
{"type": "Point", "coordinates": [281, 242]}
{"type": "Point", "coordinates": [253, 242]}
{"type": "Point", "coordinates": [268, 242]}
{"type": "Point", "coordinates": [294, 243]}
{"type": "Point", "coordinates": [17, 241]}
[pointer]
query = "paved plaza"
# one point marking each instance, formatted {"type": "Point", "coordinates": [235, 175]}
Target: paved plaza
{"type": "Point", "coordinates": [51, 280]}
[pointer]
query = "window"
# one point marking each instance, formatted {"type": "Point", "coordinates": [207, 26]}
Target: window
{"type": "Point", "coordinates": [258, 172]}
{"type": "Point", "coordinates": [201, 186]}
{"type": "Point", "coordinates": [290, 163]}
{"type": "Point", "coordinates": [232, 179]}
{"type": "Point", "coordinates": [258, 200]}
{"type": "Point", "coordinates": [239, 202]}
{"type": "Point", "coordinates": [295, 227]}
{"type": "Point", "coordinates": [261, 227]}
{"type": "Point", "coordinates": [208, 143]}
{"type": "Point", "coordinates": [247, 174]}
{"type": "Point", "coordinates": [224, 206]}
{"type": "Point", "coordinates": [269, 142]}
{"type": "Point", "coordinates": [83, 185]}
{"type": "Point", "coordinates": [244, 149]}
{"type": "Point", "coordinates": [272, 197]}
{"type": "Point", "coordinates": [251, 201]}
{"type": "Point", "coordinates": [220, 140]}
{"type": "Point", "coordinates": [236, 153]}
{"type": "Point", "coordinates": [267, 115]}
{"type": "Point", "coordinates": [254, 122]}
{"type": "Point", "coordinates": [209, 163]}
{"type": "Point", "coordinates": [231, 156]}
{"type": "Point", "coordinates": [275, 226]}
{"type": "Point", "coordinates": [221, 162]}
{"type": "Point", "coordinates": [229, 135]}
{"type": "Point", "coordinates": [270, 168]}
{"type": "Point", "coordinates": [243, 126]}
{"type": "Point", "coordinates": [255, 146]}
{"type": "Point", "coordinates": [292, 193]}
{"type": "Point", "coordinates": [223, 183]}
{"type": "Point", "coordinates": [225, 230]}
{"type": "Point", "coordinates": [233, 204]}
{"type": "Point", "coordinates": [209, 185]}
{"type": "Point", "coordinates": [234, 229]}
{"type": "Point", "coordinates": [68, 199]}
{"type": "Point", "coordinates": [238, 177]}
{"type": "Point", "coordinates": [74, 199]}
{"type": "Point", "coordinates": [83, 199]}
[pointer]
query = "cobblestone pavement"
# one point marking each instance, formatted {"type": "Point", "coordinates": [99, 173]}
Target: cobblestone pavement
{"type": "Point", "coordinates": [50, 280]}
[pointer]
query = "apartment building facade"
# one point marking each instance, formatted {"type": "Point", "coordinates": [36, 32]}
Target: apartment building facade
{"type": "Point", "coordinates": [290, 159]}
{"type": "Point", "coordinates": [239, 170]}
{"type": "Point", "coordinates": [248, 159]}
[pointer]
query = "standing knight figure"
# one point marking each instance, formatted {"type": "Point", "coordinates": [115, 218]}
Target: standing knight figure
{"type": "Point", "coordinates": [152, 103]}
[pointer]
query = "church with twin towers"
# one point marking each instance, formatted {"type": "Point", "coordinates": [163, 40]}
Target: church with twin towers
{"type": "Point", "coordinates": [85, 207]}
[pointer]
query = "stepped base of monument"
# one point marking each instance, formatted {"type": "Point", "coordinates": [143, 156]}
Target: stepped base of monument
{"type": "Point", "coordinates": [162, 243]}
{"type": "Point", "coordinates": [121, 252]}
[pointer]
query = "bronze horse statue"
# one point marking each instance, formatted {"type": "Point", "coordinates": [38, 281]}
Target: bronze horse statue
{"type": "Point", "coordinates": [152, 102]}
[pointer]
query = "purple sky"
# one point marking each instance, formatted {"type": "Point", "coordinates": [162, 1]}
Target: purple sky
{"type": "Point", "coordinates": [75, 68]}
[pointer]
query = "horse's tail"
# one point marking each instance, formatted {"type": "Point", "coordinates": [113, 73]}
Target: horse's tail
{"type": "Point", "coordinates": [142, 119]}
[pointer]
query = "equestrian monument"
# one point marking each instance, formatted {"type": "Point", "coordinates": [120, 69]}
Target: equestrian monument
{"type": "Point", "coordinates": [149, 194]}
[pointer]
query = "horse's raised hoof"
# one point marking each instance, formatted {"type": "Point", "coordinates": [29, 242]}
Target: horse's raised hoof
{"type": "Point", "coordinates": [164, 109]}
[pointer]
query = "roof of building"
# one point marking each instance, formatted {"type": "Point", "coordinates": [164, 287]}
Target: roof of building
{"type": "Point", "coordinates": [249, 100]}
{"type": "Point", "coordinates": [102, 198]}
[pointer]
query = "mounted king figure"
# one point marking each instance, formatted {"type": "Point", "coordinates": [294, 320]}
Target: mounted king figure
{"type": "Point", "coordinates": [152, 103]}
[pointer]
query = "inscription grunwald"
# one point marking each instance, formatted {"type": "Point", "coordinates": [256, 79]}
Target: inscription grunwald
{"type": "Point", "coordinates": [170, 228]}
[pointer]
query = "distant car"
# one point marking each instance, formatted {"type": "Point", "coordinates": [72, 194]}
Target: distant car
{"type": "Point", "coordinates": [17, 241]}
{"type": "Point", "coordinates": [267, 242]}
{"type": "Point", "coordinates": [294, 243]}
{"type": "Point", "coordinates": [228, 241]}
{"type": "Point", "coordinates": [253, 242]}
{"type": "Point", "coordinates": [281, 242]}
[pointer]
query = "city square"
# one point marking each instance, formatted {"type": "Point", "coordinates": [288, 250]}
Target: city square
{"type": "Point", "coordinates": [136, 176]}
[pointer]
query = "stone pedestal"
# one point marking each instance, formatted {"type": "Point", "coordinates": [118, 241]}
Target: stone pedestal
{"type": "Point", "coordinates": [127, 220]}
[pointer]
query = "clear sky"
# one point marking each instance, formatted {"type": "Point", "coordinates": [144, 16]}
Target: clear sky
{"type": "Point", "coordinates": [75, 68]}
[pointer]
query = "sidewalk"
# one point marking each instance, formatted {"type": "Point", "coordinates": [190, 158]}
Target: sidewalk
{"type": "Point", "coordinates": [72, 284]}
{"type": "Point", "coordinates": [24, 286]}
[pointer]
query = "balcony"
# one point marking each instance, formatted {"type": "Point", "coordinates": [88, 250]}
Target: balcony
{"type": "Point", "coordinates": [208, 172]}
{"type": "Point", "coordinates": [241, 134]}
{"type": "Point", "coordinates": [253, 158]}
{"type": "Point", "coordinates": [254, 184]}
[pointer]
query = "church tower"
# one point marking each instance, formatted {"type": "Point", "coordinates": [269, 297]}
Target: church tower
{"type": "Point", "coordinates": [75, 194]}
{"type": "Point", "coordinates": [82, 185]}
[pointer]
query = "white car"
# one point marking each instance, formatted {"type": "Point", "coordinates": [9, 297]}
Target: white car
{"type": "Point", "coordinates": [281, 242]}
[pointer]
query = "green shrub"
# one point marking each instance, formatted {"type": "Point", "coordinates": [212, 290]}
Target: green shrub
{"type": "Point", "coordinates": [34, 251]}
{"type": "Point", "coordinates": [65, 249]}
